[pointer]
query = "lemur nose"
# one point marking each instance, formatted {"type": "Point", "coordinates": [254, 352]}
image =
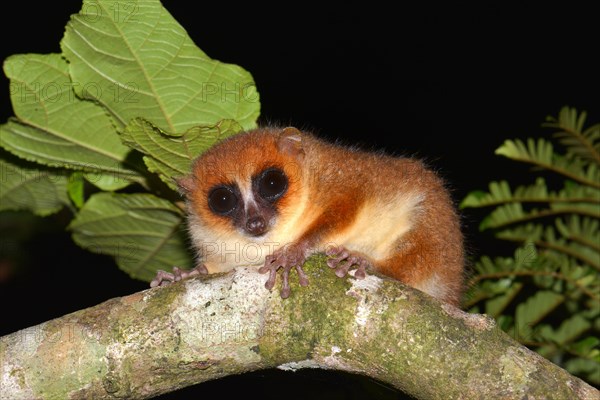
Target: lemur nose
{"type": "Point", "coordinates": [256, 226]}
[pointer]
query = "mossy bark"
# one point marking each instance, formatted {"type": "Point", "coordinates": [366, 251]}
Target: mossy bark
{"type": "Point", "coordinates": [204, 328]}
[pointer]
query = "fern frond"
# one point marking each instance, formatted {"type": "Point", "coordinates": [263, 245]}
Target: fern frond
{"type": "Point", "coordinates": [569, 330]}
{"type": "Point", "coordinates": [513, 213]}
{"type": "Point", "coordinates": [525, 259]}
{"type": "Point", "coordinates": [533, 310]}
{"type": "Point", "coordinates": [546, 237]}
{"type": "Point", "coordinates": [579, 143]}
{"type": "Point", "coordinates": [495, 276]}
{"type": "Point", "coordinates": [587, 348]}
{"type": "Point", "coordinates": [589, 209]}
{"type": "Point", "coordinates": [582, 254]}
{"type": "Point", "coordinates": [593, 133]}
{"type": "Point", "coordinates": [530, 231]}
{"type": "Point", "coordinates": [541, 154]}
{"type": "Point", "coordinates": [501, 193]}
{"type": "Point", "coordinates": [583, 230]}
{"type": "Point", "coordinates": [495, 306]}
{"type": "Point", "coordinates": [579, 279]}
{"type": "Point", "coordinates": [573, 192]}
{"type": "Point", "coordinates": [556, 268]}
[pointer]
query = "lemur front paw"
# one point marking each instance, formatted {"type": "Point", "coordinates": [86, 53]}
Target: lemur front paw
{"type": "Point", "coordinates": [286, 258]}
{"type": "Point", "coordinates": [342, 260]}
{"type": "Point", "coordinates": [164, 278]}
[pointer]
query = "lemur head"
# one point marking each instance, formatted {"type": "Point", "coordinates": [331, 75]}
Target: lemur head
{"type": "Point", "coordinates": [246, 181]}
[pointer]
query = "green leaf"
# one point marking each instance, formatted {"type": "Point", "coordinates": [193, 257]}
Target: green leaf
{"type": "Point", "coordinates": [106, 182]}
{"type": "Point", "coordinates": [533, 310]}
{"type": "Point", "coordinates": [505, 322]}
{"type": "Point", "coordinates": [494, 307]}
{"type": "Point", "coordinates": [587, 347]}
{"type": "Point", "coordinates": [143, 232]}
{"type": "Point", "coordinates": [24, 186]}
{"type": "Point", "coordinates": [504, 215]}
{"type": "Point", "coordinates": [533, 232]}
{"type": "Point", "coordinates": [541, 151]}
{"type": "Point", "coordinates": [171, 155]}
{"type": "Point", "coordinates": [75, 188]}
{"type": "Point", "coordinates": [136, 60]}
{"type": "Point", "coordinates": [54, 127]}
{"type": "Point", "coordinates": [569, 330]}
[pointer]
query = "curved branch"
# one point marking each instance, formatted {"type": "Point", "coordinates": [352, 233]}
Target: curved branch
{"type": "Point", "coordinates": [162, 339]}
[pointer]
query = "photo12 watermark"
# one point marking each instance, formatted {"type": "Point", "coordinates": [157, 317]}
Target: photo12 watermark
{"type": "Point", "coordinates": [71, 92]}
{"type": "Point", "coordinates": [118, 11]}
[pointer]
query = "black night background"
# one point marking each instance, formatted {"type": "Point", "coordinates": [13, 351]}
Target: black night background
{"type": "Point", "coordinates": [448, 84]}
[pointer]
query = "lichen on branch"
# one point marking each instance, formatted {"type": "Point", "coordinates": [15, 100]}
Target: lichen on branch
{"type": "Point", "coordinates": [166, 338]}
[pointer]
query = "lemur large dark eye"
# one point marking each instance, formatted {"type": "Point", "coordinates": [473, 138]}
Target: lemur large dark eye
{"type": "Point", "coordinates": [222, 200]}
{"type": "Point", "coordinates": [272, 184]}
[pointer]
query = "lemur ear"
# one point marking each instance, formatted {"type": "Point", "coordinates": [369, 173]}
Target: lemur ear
{"type": "Point", "coordinates": [290, 141]}
{"type": "Point", "coordinates": [186, 184]}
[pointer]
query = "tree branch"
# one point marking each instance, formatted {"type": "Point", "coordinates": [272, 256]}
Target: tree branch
{"type": "Point", "coordinates": [162, 339]}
